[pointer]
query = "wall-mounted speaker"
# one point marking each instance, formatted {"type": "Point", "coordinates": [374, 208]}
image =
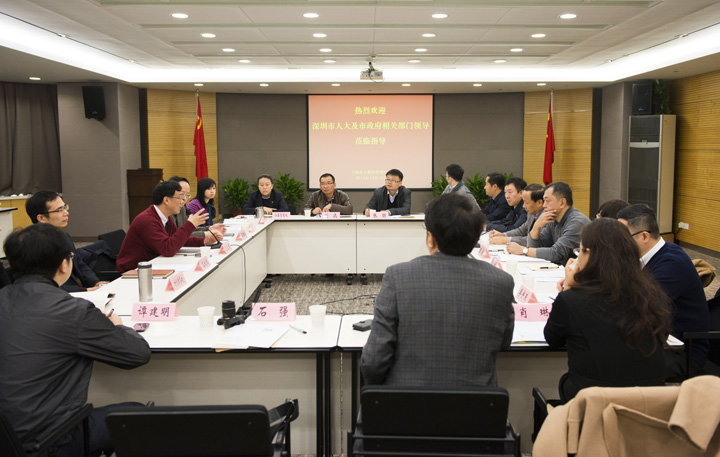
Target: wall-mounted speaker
{"type": "Point", "coordinates": [642, 98]}
{"type": "Point", "coordinates": [94, 100]}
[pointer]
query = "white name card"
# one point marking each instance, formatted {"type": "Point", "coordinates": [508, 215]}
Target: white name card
{"type": "Point", "coordinates": [281, 215]}
{"type": "Point", "coordinates": [525, 295]}
{"type": "Point", "coordinates": [176, 282]}
{"type": "Point", "coordinates": [330, 215]}
{"type": "Point", "coordinates": [203, 264]}
{"type": "Point", "coordinates": [225, 248]}
{"type": "Point", "coordinates": [153, 312]}
{"type": "Point", "coordinates": [273, 311]}
{"type": "Point", "coordinates": [379, 215]}
{"type": "Point", "coordinates": [537, 312]}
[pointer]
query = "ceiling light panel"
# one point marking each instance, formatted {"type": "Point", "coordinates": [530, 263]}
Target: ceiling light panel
{"type": "Point", "coordinates": [413, 35]}
{"type": "Point", "coordinates": [423, 15]}
{"type": "Point", "coordinates": [157, 14]}
{"type": "Point", "coordinates": [588, 14]}
{"type": "Point", "coordinates": [290, 14]}
{"type": "Point", "coordinates": [302, 35]}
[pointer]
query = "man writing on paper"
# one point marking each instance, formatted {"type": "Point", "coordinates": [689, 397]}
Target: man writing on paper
{"type": "Point", "coordinates": [328, 198]}
{"type": "Point", "coordinates": [48, 342]}
{"type": "Point", "coordinates": [393, 198]}
{"type": "Point", "coordinates": [532, 197]}
{"type": "Point", "coordinates": [517, 216]}
{"type": "Point", "coordinates": [674, 271]}
{"type": "Point", "coordinates": [557, 231]}
{"type": "Point", "coordinates": [153, 232]}
{"type": "Point", "coordinates": [441, 319]}
{"type": "Point", "coordinates": [454, 175]}
{"type": "Point", "coordinates": [47, 207]}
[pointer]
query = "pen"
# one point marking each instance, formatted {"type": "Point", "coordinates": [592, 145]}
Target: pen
{"type": "Point", "coordinates": [110, 313]}
{"type": "Point", "coordinates": [298, 329]}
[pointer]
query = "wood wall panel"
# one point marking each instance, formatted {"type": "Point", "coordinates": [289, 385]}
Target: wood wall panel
{"type": "Point", "coordinates": [572, 125]}
{"type": "Point", "coordinates": [696, 101]}
{"type": "Point", "coordinates": [171, 130]}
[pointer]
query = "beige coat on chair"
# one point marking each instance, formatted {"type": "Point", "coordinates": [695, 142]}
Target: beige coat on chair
{"type": "Point", "coordinates": [636, 421]}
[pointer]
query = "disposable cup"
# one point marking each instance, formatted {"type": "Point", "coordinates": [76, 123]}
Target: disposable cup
{"type": "Point", "coordinates": [206, 315]}
{"type": "Point", "coordinates": [307, 213]}
{"type": "Point", "coordinates": [204, 251]}
{"type": "Point", "coordinates": [317, 315]}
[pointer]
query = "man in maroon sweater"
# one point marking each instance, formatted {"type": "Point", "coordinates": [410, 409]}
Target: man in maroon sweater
{"type": "Point", "coordinates": [153, 232]}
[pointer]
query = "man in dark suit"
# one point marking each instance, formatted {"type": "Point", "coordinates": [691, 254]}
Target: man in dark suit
{"type": "Point", "coordinates": [517, 216]}
{"type": "Point", "coordinates": [393, 197]}
{"type": "Point", "coordinates": [497, 208]}
{"type": "Point", "coordinates": [674, 271]}
{"type": "Point", "coordinates": [441, 319]}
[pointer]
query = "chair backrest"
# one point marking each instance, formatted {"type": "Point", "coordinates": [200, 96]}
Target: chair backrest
{"type": "Point", "coordinates": [470, 412]}
{"type": "Point", "coordinates": [189, 431]}
{"type": "Point", "coordinates": [10, 445]}
{"type": "Point", "coordinates": [114, 240]}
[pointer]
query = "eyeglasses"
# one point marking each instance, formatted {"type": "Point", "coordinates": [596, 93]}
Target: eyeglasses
{"type": "Point", "coordinates": [70, 256]}
{"type": "Point", "coordinates": [327, 183]}
{"type": "Point", "coordinates": [180, 197]}
{"type": "Point", "coordinates": [392, 180]}
{"type": "Point", "coordinates": [638, 233]}
{"type": "Point", "coordinates": [62, 209]}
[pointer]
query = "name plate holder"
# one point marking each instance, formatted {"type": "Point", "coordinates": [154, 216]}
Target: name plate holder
{"type": "Point", "coordinates": [525, 295]}
{"type": "Point", "coordinates": [281, 215]}
{"type": "Point", "coordinates": [273, 311]}
{"type": "Point", "coordinates": [330, 215]}
{"type": "Point", "coordinates": [533, 312]}
{"type": "Point", "coordinates": [225, 248]}
{"type": "Point", "coordinates": [202, 264]}
{"type": "Point", "coordinates": [154, 312]}
{"type": "Point", "coordinates": [176, 282]}
{"type": "Point", "coordinates": [495, 262]}
{"type": "Point", "coordinates": [379, 215]}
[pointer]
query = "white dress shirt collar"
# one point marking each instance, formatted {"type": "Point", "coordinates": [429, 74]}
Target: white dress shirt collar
{"type": "Point", "coordinates": [649, 255]}
{"type": "Point", "coordinates": [163, 218]}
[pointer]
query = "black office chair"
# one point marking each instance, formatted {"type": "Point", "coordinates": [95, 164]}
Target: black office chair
{"type": "Point", "coordinates": [10, 445]}
{"type": "Point", "coordinates": [202, 431]}
{"type": "Point", "coordinates": [432, 422]}
{"type": "Point", "coordinates": [540, 410]}
{"type": "Point", "coordinates": [104, 267]}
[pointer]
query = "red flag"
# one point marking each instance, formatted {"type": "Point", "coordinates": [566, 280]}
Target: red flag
{"type": "Point", "coordinates": [201, 167]}
{"type": "Point", "coordinates": [549, 148]}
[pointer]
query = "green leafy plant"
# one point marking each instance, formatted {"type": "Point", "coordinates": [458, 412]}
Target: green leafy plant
{"type": "Point", "coordinates": [438, 186]}
{"type": "Point", "coordinates": [293, 190]}
{"type": "Point", "coordinates": [236, 192]}
{"type": "Point", "coordinates": [476, 185]}
{"type": "Point", "coordinates": [661, 98]}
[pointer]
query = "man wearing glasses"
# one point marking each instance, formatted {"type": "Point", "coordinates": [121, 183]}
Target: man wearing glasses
{"type": "Point", "coordinates": [328, 198]}
{"type": "Point", "coordinates": [393, 198]}
{"type": "Point", "coordinates": [674, 271]}
{"type": "Point", "coordinates": [153, 232]}
{"type": "Point", "coordinates": [47, 207]}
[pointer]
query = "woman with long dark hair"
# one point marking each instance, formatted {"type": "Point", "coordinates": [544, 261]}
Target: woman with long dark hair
{"type": "Point", "coordinates": [204, 199]}
{"type": "Point", "coordinates": [611, 314]}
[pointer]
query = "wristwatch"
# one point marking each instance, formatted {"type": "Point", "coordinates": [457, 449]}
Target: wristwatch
{"type": "Point", "coordinates": [525, 251]}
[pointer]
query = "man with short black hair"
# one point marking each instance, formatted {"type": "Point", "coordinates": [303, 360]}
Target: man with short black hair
{"type": "Point", "coordinates": [328, 198]}
{"type": "Point", "coordinates": [153, 232]}
{"type": "Point", "coordinates": [532, 197]}
{"type": "Point", "coordinates": [674, 271]}
{"type": "Point", "coordinates": [49, 340]}
{"type": "Point", "coordinates": [454, 174]}
{"type": "Point", "coordinates": [497, 208]}
{"type": "Point", "coordinates": [393, 197]}
{"type": "Point", "coordinates": [557, 231]}
{"type": "Point", "coordinates": [441, 319]}
{"type": "Point", "coordinates": [517, 216]}
{"type": "Point", "coordinates": [47, 207]}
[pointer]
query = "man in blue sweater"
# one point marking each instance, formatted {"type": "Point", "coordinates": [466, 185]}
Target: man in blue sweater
{"type": "Point", "coordinates": [674, 271]}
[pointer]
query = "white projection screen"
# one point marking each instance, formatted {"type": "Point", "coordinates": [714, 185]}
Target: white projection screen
{"type": "Point", "coordinates": [358, 138]}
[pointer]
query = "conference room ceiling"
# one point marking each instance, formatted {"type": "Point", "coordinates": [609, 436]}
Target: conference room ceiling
{"type": "Point", "coordinates": [141, 43]}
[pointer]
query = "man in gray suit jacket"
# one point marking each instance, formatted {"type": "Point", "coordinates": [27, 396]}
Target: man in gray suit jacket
{"type": "Point", "coordinates": [441, 319]}
{"type": "Point", "coordinates": [454, 174]}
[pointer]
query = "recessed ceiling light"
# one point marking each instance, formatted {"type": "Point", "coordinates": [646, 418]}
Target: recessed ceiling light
{"type": "Point", "coordinates": [421, 50]}
{"type": "Point", "coordinates": [439, 16]}
{"type": "Point", "coordinates": [264, 84]}
{"type": "Point", "coordinates": [62, 35]}
{"type": "Point", "coordinates": [428, 35]}
{"type": "Point", "coordinates": [568, 16]}
{"type": "Point", "coordinates": [34, 78]}
{"type": "Point", "coordinates": [541, 84]}
{"type": "Point", "coordinates": [311, 15]}
{"type": "Point", "coordinates": [477, 85]}
{"type": "Point", "coordinates": [319, 35]}
{"type": "Point", "coordinates": [329, 61]}
{"type": "Point", "coordinates": [326, 50]}
{"type": "Point", "coordinates": [335, 85]}
{"type": "Point", "coordinates": [228, 50]}
{"type": "Point", "coordinates": [516, 50]}
{"type": "Point", "coordinates": [244, 60]}
{"type": "Point", "coordinates": [199, 84]}
{"type": "Point", "coordinates": [538, 35]}
{"type": "Point", "coordinates": [208, 35]}
{"type": "Point", "coordinates": [414, 61]}
{"type": "Point", "coordinates": [406, 85]}
{"type": "Point", "coordinates": [131, 61]}
{"type": "Point", "coordinates": [500, 61]}
{"type": "Point", "coordinates": [180, 16]}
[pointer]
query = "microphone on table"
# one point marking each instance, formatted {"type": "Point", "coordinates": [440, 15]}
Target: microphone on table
{"type": "Point", "coordinates": [215, 245]}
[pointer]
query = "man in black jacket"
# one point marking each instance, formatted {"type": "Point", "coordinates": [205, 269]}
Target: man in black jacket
{"type": "Point", "coordinates": [393, 197]}
{"type": "Point", "coordinates": [49, 340]}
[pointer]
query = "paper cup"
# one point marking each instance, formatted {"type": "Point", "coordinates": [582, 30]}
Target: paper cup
{"type": "Point", "coordinates": [529, 281]}
{"type": "Point", "coordinates": [206, 315]}
{"type": "Point", "coordinates": [308, 212]}
{"type": "Point", "coordinates": [512, 266]}
{"type": "Point", "coordinates": [317, 315]}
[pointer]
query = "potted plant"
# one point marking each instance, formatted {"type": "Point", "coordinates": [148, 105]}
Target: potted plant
{"type": "Point", "coordinates": [293, 190]}
{"type": "Point", "coordinates": [438, 186]}
{"type": "Point", "coordinates": [236, 192]}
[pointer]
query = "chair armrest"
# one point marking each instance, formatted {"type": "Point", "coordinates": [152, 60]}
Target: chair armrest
{"type": "Point", "coordinates": [66, 428]}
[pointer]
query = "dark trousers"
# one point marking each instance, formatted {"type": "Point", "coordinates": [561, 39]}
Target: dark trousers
{"type": "Point", "coordinates": [99, 434]}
